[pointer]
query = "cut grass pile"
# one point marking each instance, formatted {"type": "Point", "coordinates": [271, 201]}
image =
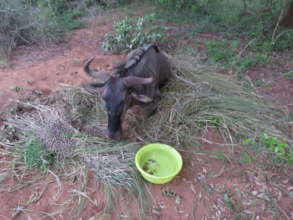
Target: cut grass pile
{"type": "Point", "coordinates": [199, 99]}
{"type": "Point", "coordinates": [54, 134]}
{"type": "Point", "coordinates": [67, 128]}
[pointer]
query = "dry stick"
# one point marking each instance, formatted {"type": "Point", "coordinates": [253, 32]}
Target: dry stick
{"type": "Point", "coordinates": [32, 200]}
{"type": "Point", "coordinates": [277, 25]}
{"type": "Point", "coordinates": [58, 183]}
{"type": "Point", "coordinates": [246, 46]}
{"type": "Point", "coordinates": [283, 190]}
{"type": "Point", "coordinates": [212, 142]}
{"type": "Point", "coordinates": [82, 200]}
{"type": "Point", "coordinates": [7, 145]}
{"type": "Point", "coordinates": [197, 86]}
{"type": "Point", "coordinates": [83, 194]}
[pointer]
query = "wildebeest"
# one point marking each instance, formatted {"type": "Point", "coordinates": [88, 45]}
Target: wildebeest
{"type": "Point", "coordinates": [135, 81]}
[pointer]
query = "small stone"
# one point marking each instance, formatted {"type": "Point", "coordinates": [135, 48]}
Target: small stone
{"type": "Point", "coordinates": [156, 211]}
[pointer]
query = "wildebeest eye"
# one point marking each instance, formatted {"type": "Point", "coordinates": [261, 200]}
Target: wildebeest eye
{"type": "Point", "coordinates": [121, 103]}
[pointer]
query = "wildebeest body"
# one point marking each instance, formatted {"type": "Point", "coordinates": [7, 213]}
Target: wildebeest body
{"type": "Point", "coordinates": [146, 69]}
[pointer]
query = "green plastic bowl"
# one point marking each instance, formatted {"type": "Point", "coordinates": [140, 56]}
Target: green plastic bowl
{"type": "Point", "coordinates": [158, 163]}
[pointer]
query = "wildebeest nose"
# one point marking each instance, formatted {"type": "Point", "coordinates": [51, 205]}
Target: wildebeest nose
{"type": "Point", "coordinates": [114, 135]}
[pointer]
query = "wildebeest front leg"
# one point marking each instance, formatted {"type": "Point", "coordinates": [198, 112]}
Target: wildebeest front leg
{"type": "Point", "coordinates": [149, 109]}
{"type": "Point", "coordinates": [153, 108]}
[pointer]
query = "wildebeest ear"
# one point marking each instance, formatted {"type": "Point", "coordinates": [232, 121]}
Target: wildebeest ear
{"type": "Point", "coordinates": [102, 76]}
{"type": "Point", "coordinates": [141, 98]}
{"type": "Point", "coordinates": [131, 81]}
{"type": "Point", "coordinates": [91, 87]}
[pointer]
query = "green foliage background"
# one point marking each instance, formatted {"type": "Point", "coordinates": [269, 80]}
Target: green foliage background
{"type": "Point", "coordinates": [38, 21]}
{"type": "Point", "coordinates": [253, 19]}
{"type": "Point", "coordinates": [46, 21]}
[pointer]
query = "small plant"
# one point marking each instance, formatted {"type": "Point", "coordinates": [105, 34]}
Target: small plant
{"type": "Point", "coordinates": [210, 120]}
{"type": "Point", "coordinates": [222, 51]}
{"type": "Point", "coordinates": [129, 35]}
{"type": "Point", "coordinates": [227, 198]}
{"type": "Point", "coordinates": [16, 89]}
{"type": "Point", "coordinates": [246, 158]}
{"type": "Point", "coordinates": [244, 63]}
{"type": "Point", "coordinates": [227, 53]}
{"type": "Point", "coordinates": [289, 75]}
{"type": "Point", "coordinates": [261, 82]}
{"type": "Point", "coordinates": [276, 146]}
{"type": "Point", "coordinates": [35, 155]}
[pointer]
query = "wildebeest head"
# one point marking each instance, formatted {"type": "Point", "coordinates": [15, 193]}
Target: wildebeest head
{"type": "Point", "coordinates": [117, 92]}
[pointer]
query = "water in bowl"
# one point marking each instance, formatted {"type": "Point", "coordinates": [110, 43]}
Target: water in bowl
{"type": "Point", "coordinates": [158, 163]}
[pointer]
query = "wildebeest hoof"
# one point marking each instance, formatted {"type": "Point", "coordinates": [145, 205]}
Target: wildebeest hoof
{"type": "Point", "coordinates": [113, 136]}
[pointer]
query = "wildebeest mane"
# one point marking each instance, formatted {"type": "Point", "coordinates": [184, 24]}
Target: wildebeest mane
{"type": "Point", "coordinates": [121, 69]}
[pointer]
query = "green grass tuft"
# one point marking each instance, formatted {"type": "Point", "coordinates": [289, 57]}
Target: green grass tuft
{"type": "Point", "coordinates": [36, 156]}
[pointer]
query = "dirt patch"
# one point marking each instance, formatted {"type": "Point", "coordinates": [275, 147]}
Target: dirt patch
{"type": "Point", "coordinates": [207, 188]}
{"type": "Point", "coordinates": [271, 81]}
{"type": "Point", "coordinates": [44, 69]}
{"type": "Point", "coordinates": [47, 198]}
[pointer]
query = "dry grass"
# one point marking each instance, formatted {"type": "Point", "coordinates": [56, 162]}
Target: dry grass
{"type": "Point", "coordinates": [198, 99]}
{"type": "Point", "coordinates": [47, 125]}
{"type": "Point", "coordinates": [65, 124]}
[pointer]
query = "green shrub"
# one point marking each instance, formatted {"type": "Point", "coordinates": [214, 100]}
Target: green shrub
{"type": "Point", "coordinates": [129, 35]}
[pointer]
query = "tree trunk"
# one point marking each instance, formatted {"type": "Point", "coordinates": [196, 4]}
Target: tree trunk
{"type": "Point", "coordinates": [287, 21]}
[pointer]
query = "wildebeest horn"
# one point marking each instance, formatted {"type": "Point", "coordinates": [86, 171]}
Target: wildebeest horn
{"type": "Point", "coordinates": [91, 87]}
{"type": "Point", "coordinates": [103, 76]}
{"type": "Point", "coordinates": [130, 81]}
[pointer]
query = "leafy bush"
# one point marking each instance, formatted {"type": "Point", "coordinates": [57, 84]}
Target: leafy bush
{"type": "Point", "coordinates": [128, 34]}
